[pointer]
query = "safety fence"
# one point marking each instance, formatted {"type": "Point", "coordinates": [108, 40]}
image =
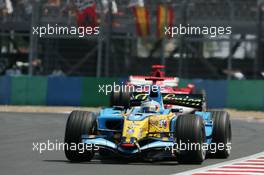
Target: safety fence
{"type": "Point", "coordinates": [84, 91]}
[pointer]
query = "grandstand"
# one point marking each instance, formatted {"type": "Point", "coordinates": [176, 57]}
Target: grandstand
{"type": "Point", "coordinates": [120, 48]}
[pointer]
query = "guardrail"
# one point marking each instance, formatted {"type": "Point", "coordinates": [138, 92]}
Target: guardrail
{"type": "Point", "coordinates": [84, 91]}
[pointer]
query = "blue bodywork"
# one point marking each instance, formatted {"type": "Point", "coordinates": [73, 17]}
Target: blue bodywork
{"type": "Point", "coordinates": [110, 124]}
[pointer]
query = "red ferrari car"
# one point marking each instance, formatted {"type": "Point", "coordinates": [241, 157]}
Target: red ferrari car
{"type": "Point", "coordinates": [157, 77]}
{"type": "Point", "coordinates": [137, 87]}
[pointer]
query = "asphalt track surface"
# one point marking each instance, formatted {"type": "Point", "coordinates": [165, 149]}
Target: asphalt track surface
{"type": "Point", "coordinates": [18, 131]}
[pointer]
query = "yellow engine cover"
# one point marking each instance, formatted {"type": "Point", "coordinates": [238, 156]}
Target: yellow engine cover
{"type": "Point", "coordinates": [151, 126]}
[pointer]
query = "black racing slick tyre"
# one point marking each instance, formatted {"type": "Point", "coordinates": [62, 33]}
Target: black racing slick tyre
{"type": "Point", "coordinates": [120, 98]}
{"type": "Point", "coordinates": [125, 98]}
{"type": "Point", "coordinates": [190, 137]}
{"type": "Point", "coordinates": [79, 123]}
{"type": "Point", "coordinates": [114, 98]}
{"type": "Point", "coordinates": [222, 134]}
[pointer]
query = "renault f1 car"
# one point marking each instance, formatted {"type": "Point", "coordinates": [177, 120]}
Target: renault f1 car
{"type": "Point", "coordinates": [148, 131]}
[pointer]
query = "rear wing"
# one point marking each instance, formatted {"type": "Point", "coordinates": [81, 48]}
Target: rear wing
{"type": "Point", "coordinates": [187, 100]}
{"type": "Point", "coordinates": [150, 80]}
{"type": "Point", "coordinates": [157, 76]}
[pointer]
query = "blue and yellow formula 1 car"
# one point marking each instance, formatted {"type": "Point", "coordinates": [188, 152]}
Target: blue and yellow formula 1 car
{"type": "Point", "coordinates": [146, 129]}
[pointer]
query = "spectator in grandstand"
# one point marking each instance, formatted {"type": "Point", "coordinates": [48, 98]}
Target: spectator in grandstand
{"type": "Point", "coordinates": [105, 6]}
{"type": "Point", "coordinates": [52, 7]}
{"type": "Point", "coordinates": [6, 8]}
{"type": "Point", "coordinates": [37, 66]}
{"type": "Point", "coordinates": [57, 73]}
{"type": "Point", "coordinates": [133, 3]}
{"type": "Point", "coordinates": [23, 9]}
{"type": "Point", "coordinates": [14, 71]}
{"type": "Point", "coordinates": [69, 9]}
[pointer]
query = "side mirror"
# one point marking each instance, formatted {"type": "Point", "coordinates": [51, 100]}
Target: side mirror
{"type": "Point", "coordinates": [177, 110]}
{"type": "Point", "coordinates": [119, 108]}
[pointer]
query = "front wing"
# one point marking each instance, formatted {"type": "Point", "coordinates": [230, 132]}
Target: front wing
{"type": "Point", "coordinates": [103, 143]}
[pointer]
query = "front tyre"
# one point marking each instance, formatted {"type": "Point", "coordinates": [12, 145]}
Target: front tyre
{"type": "Point", "coordinates": [222, 134]}
{"type": "Point", "coordinates": [79, 123]}
{"type": "Point", "coordinates": [190, 131]}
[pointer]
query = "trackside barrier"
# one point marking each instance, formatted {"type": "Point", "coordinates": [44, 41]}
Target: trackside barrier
{"type": "Point", "coordinates": [246, 94]}
{"type": "Point", "coordinates": [84, 91]}
{"type": "Point", "coordinates": [216, 91]}
{"type": "Point", "coordinates": [90, 91]}
{"type": "Point", "coordinates": [5, 90]}
{"type": "Point", "coordinates": [64, 91]}
{"type": "Point", "coordinates": [28, 90]}
{"type": "Point", "coordinates": [238, 94]}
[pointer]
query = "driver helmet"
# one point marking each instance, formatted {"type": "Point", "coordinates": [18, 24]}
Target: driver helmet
{"type": "Point", "coordinates": [150, 107]}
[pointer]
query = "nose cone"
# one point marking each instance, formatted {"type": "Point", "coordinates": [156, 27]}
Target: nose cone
{"type": "Point", "coordinates": [134, 130]}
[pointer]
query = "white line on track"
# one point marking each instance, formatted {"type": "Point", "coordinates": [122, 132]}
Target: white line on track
{"type": "Point", "coordinates": [234, 170]}
{"type": "Point", "coordinates": [209, 169]}
{"type": "Point", "coordinates": [250, 163]}
{"type": "Point", "coordinates": [66, 112]}
{"type": "Point", "coordinates": [227, 173]}
{"type": "Point", "coordinates": [243, 166]}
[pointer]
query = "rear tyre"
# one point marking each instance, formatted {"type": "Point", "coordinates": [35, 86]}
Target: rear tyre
{"type": "Point", "coordinates": [125, 98]}
{"type": "Point", "coordinates": [114, 98]}
{"type": "Point", "coordinates": [222, 134]}
{"type": "Point", "coordinates": [190, 130]}
{"type": "Point", "coordinates": [120, 98]}
{"type": "Point", "coordinates": [79, 123]}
